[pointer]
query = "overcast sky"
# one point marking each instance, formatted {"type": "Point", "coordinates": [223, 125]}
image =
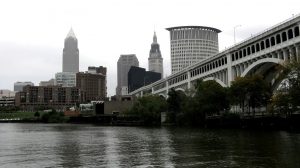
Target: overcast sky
{"type": "Point", "coordinates": [32, 32]}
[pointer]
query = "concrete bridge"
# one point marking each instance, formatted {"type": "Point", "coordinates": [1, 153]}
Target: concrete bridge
{"type": "Point", "coordinates": [261, 54]}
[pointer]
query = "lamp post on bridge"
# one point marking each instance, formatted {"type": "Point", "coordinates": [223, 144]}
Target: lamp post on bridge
{"type": "Point", "coordinates": [234, 32]}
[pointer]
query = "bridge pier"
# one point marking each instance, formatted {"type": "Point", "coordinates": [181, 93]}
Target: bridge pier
{"type": "Point", "coordinates": [240, 70]}
{"type": "Point", "coordinates": [274, 55]}
{"type": "Point", "coordinates": [291, 54]}
{"type": "Point", "coordinates": [244, 66]}
{"type": "Point", "coordinates": [222, 76]}
{"type": "Point", "coordinates": [167, 88]}
{"type": "Point", "coordinates": [230, 70]}
{"type": "Point", "coordinates": [234, 73]}
{"type": "Point", "coordinates": [297, 48]}
{"type": "Point", "coordinates": [189, 79]}
{"type": "Point", "coordinates": [279, 54]}
{"type": "Point", "coordinates": [285, 54]}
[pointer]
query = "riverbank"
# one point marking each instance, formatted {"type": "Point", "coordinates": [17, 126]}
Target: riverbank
{"type": "Point", "coordinates": [260, 123]}
{"type": "Point", "coordinates": [55, 117]}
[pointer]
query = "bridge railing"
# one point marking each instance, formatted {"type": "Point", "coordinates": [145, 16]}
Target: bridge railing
{"type": "Point", "coordinates": [262, 32]}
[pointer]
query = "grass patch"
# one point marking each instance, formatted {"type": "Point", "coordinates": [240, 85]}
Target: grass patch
{"type": "Point", "coordinates": [17, 115]}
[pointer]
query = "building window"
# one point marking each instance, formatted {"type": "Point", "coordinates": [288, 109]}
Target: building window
{"type": "Point", "coordinates": [296, 31]}
{"type": "Point", "coordinates": [290, 33]}
{"type": "Point", "coordinates": [284, 38]}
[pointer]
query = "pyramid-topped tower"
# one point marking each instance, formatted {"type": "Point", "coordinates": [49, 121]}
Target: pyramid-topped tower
{"type": "Point", "coordinates": [71, 33]}
{"type": "Point", "coordinates": [71, 53]}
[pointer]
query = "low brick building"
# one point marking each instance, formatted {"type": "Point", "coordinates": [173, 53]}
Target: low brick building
{"type": "Point", "coordinates": [33, 97]}
{"type": "Point", "coordinates": [93, 83]}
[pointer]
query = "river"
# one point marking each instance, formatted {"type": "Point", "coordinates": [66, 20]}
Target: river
{"type": "Point", "coordinates": [75, 145]}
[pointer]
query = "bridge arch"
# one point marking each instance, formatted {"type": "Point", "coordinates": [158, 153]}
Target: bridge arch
{"type": "Point", "coordinates": [163, 96]}
{"type": "Point", "coordinates": [250, 68]}
{"type": "Point", "coordinates": [180, 89]}
{"type": "Point", "coordinates": [138, 95]}
{"type": "Point", "coordinates": [217, 80]}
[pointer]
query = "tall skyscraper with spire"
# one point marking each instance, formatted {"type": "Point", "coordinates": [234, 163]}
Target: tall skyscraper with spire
{"type": "Point", "coordinates": [70, 65]}
{"type": "Point", "coordinates": [155, 61]}
{"type": "Point", "coordinates": [71, 53]}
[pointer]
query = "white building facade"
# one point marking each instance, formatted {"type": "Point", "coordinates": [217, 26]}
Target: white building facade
{"type": "Point", "coordinates": [7, 98]}
{"type": "Point", "coordinates": [65, 79]}
{"type": "Point", "coordinates": [191, 44]}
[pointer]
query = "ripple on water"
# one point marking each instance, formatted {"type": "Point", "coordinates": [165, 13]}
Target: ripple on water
{"type": "Point", "coordinates": [67, 145]}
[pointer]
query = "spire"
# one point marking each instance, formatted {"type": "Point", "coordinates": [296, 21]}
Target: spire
{"type": "Point", "coordinates": [154, 38]}
{"type": "Point", "coordinates": [71, 33]}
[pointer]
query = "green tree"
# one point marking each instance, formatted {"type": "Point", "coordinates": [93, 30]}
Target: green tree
{"type": "Point", "coordinates": [259, 92]}
{"type": "Point", "coordinates": [251, 90]}
{"type": "Point", "coordinates": [281, 103]}
{"type": "Point", "coordinates": [191, 114]}
{"type": "Point", "coordinates": [148, 109]}
{"type": "Point", "coordinates": [286, 99]}
{"type": "Point", "coordinates": [238, 92]}
{"type": "Point", "coordinates": [175, 104]}
{"type": "Point", "coordinates": [53, 117]}
{"type": "Point", "coordinates": [37, 114]}
{"type": "Point", "coordinates": [211, 97]}
{"type": "Point", "coordinates": [294, 85]}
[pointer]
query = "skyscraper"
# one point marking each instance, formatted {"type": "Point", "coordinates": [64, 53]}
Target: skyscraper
{"type": "Point", "coordinates": [71, 53]}
{"type": "Point", "coordinates": [155, 61]}
{"type": "Point", "coordinates": [70, 65]}
{"type": "Point", "coordinates": [191, 44]}
{"type": "Point", "coordinates": [139, 77]}
{"type": "Point", "coordinates": [124, 64]}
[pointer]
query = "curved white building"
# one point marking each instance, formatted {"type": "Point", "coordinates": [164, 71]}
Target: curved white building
{"type": "Point", "coordinates": [191, 44]}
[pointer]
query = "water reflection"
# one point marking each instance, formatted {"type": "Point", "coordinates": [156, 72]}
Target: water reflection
{"type": "Point", "coordinates": [130, 147]}
{"type": "Point", "coordinates": [66, 145]}
{"type": "Point", "coordinates": [111, 150]}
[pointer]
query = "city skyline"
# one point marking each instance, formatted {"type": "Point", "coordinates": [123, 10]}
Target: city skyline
{"type": "Point", "coordinates": [31, 45]}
